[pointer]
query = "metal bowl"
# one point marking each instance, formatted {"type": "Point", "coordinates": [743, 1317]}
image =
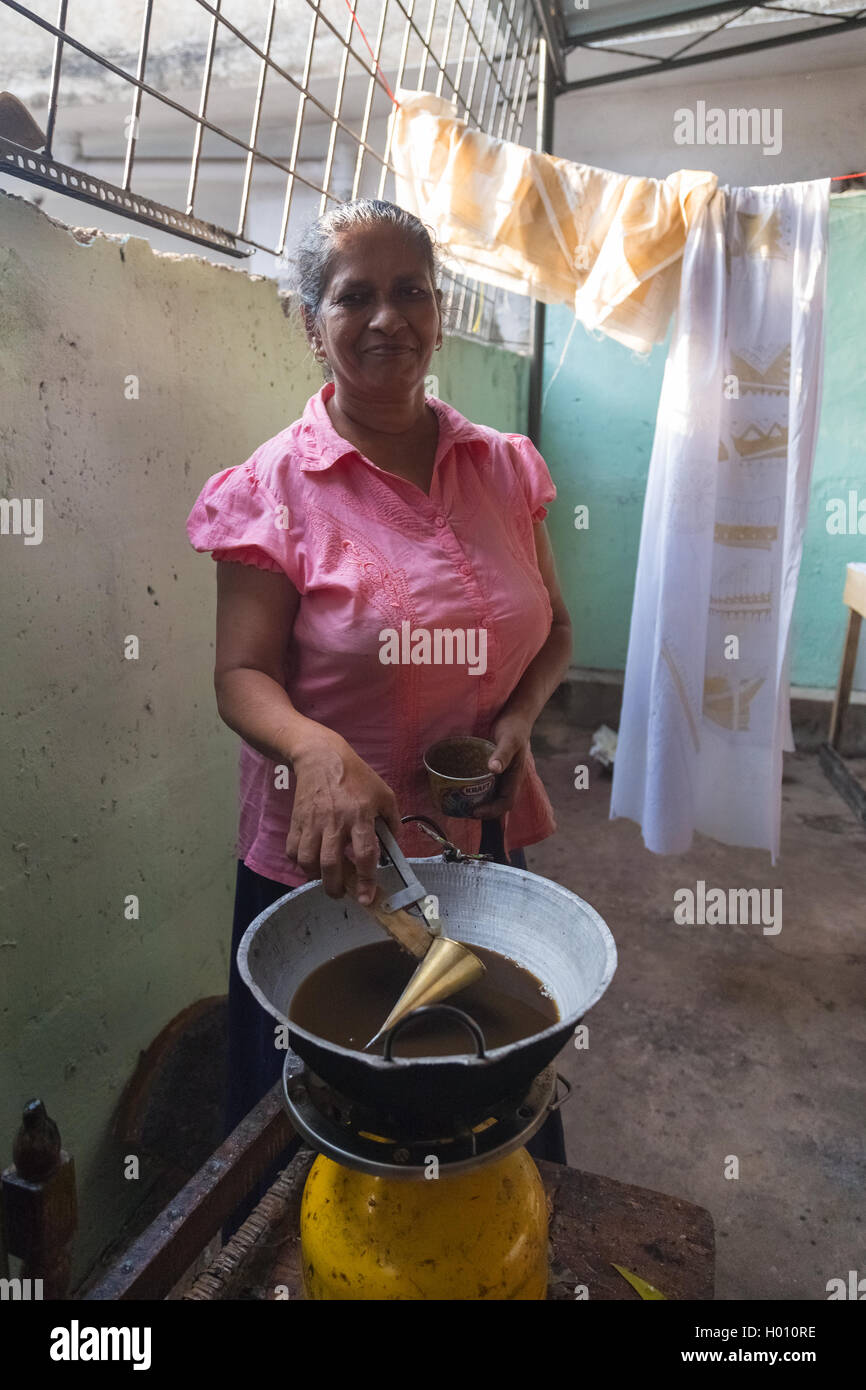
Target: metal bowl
{"type": "Point", "coordinates": [529, 919]}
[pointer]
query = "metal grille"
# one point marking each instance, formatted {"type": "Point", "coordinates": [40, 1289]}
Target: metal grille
{"type": "Point", "coordinates": [699, 25]}
{"type": "Point", "coordinates": [293, 97]}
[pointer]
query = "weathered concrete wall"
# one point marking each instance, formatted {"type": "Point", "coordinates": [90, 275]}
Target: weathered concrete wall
{"type": "Point", "coordinates": [815, 117]}
{"type": "Point", "coordinates": [118, 776]}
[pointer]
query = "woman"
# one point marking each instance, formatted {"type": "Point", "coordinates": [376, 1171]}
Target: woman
{"type": "Point", "coordinates": [379, 507]}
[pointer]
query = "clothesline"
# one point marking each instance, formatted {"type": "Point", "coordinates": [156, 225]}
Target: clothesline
{"type": "Point", "coordinates": [351, 8]}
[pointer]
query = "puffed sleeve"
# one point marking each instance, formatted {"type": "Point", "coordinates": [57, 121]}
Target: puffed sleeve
{"type": "Point", "coordinates": [533, 475]}
{"type": "Point", "coordinates": [237, 517]}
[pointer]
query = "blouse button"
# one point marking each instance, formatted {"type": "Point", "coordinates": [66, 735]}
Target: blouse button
{"type": "Point", "coordinates": [465, 569]}
{"type": "Point", "coordinates": [440, 521]}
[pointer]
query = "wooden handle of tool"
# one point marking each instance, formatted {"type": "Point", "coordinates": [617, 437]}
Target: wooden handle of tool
{"type": "Point", "coordinates": [406, 930]}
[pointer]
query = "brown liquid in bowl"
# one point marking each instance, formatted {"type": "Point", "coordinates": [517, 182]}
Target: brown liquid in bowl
{"type": "Point", "coordinates": [346, 1000]}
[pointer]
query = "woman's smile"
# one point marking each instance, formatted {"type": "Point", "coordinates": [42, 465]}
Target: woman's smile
{"type": "Point", "coordinates": [380, 311]}
{"type": "Point", "coordinates": [390, 349]}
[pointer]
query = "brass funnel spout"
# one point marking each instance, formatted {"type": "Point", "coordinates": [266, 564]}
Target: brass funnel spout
{"type": "Point", "coordinates": [446, 968]}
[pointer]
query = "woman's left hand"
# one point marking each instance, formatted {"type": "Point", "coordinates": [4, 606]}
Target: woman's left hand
{"type": "Point", "coordinates": [511, 734]}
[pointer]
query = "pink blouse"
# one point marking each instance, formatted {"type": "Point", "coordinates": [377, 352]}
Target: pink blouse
{"type": "Point", "coordinates": [368, 551]}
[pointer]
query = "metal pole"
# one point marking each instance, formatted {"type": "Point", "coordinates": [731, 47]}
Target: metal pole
{"type": "Point", "coordinates": [544, 144]}
{"type": "Point", "coordinates": [132, 137]}
{"type": "Point", "coordinates": [716, 55]}
{"type": "Point", "coordinates": [55, 79]}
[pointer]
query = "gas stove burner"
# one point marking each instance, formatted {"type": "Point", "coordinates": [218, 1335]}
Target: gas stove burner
{"type": "Point", "coordinates": [358, 1137]}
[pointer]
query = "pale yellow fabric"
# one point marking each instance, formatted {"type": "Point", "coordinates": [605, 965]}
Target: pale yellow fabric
{"type": "Point", "coordinates": [608, 245]}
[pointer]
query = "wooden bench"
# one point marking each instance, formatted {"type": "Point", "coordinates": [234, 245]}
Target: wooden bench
{"type": "Point", "coordinates": [595, 1224]}
{"type": "Point", "coordinates": [854, 596]}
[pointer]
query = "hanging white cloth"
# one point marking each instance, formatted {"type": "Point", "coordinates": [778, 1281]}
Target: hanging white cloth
{"type": "Point", "coordinates": [705, 712]}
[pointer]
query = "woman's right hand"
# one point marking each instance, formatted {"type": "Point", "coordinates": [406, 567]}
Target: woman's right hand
{"type": "Point", "coordinates": [337, 799]}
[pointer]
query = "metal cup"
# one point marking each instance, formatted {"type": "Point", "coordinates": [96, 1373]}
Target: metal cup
{"type": "Point", "coordinates": [460, 780]}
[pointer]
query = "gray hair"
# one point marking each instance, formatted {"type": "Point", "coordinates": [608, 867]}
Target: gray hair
{"type": "Point", "coordinates": [316, 253]}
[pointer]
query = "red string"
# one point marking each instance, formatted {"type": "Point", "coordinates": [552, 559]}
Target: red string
{"type": "Point", "coordinates": [847, 176]}
{"type": "Point", "coordinates": [357, 24]}
{"type": "Point", "coordinates": [371, 53]}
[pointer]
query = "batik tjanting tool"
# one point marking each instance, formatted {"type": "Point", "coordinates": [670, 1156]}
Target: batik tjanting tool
{"type": "Point", "coordinates": [445, 965]}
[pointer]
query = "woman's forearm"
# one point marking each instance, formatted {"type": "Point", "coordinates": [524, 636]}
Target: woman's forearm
{"type": "Point", "coordinates": [542, 675]}
{"type": "Point", "coordinates": [258, 708]}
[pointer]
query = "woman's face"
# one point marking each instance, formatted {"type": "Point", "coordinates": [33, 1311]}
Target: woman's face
{"type": "Point", "coordinates": [379, 320]}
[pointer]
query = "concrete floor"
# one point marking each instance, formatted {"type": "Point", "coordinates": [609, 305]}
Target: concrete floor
{"type": "Point", "coordinates": [717, 1040]}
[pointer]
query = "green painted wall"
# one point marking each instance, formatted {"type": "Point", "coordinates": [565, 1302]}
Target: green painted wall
{"type": "Point", "coordinates": [486, 384]}
{"type": "Point", "coordinates": [597, 432]}
{"type": "Point", "coordinates": [840, 458]}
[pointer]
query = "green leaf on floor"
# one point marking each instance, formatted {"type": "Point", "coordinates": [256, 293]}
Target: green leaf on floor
{"type": "Point", "coordinates": [643, 1288]}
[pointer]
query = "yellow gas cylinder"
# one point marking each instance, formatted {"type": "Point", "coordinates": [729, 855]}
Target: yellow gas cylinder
{"type": "Point", "coordinates": [475, 1235]}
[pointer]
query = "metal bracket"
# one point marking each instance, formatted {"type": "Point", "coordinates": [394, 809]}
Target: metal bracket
{"type": "Point", "coordinates": [450, 853]}
{"type": "Point", "coordinates": [90, 188]}
{"type": "Point", "coordinates": [412, 893]}
{"type": "Point", "coordinates": [559, 1101]}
